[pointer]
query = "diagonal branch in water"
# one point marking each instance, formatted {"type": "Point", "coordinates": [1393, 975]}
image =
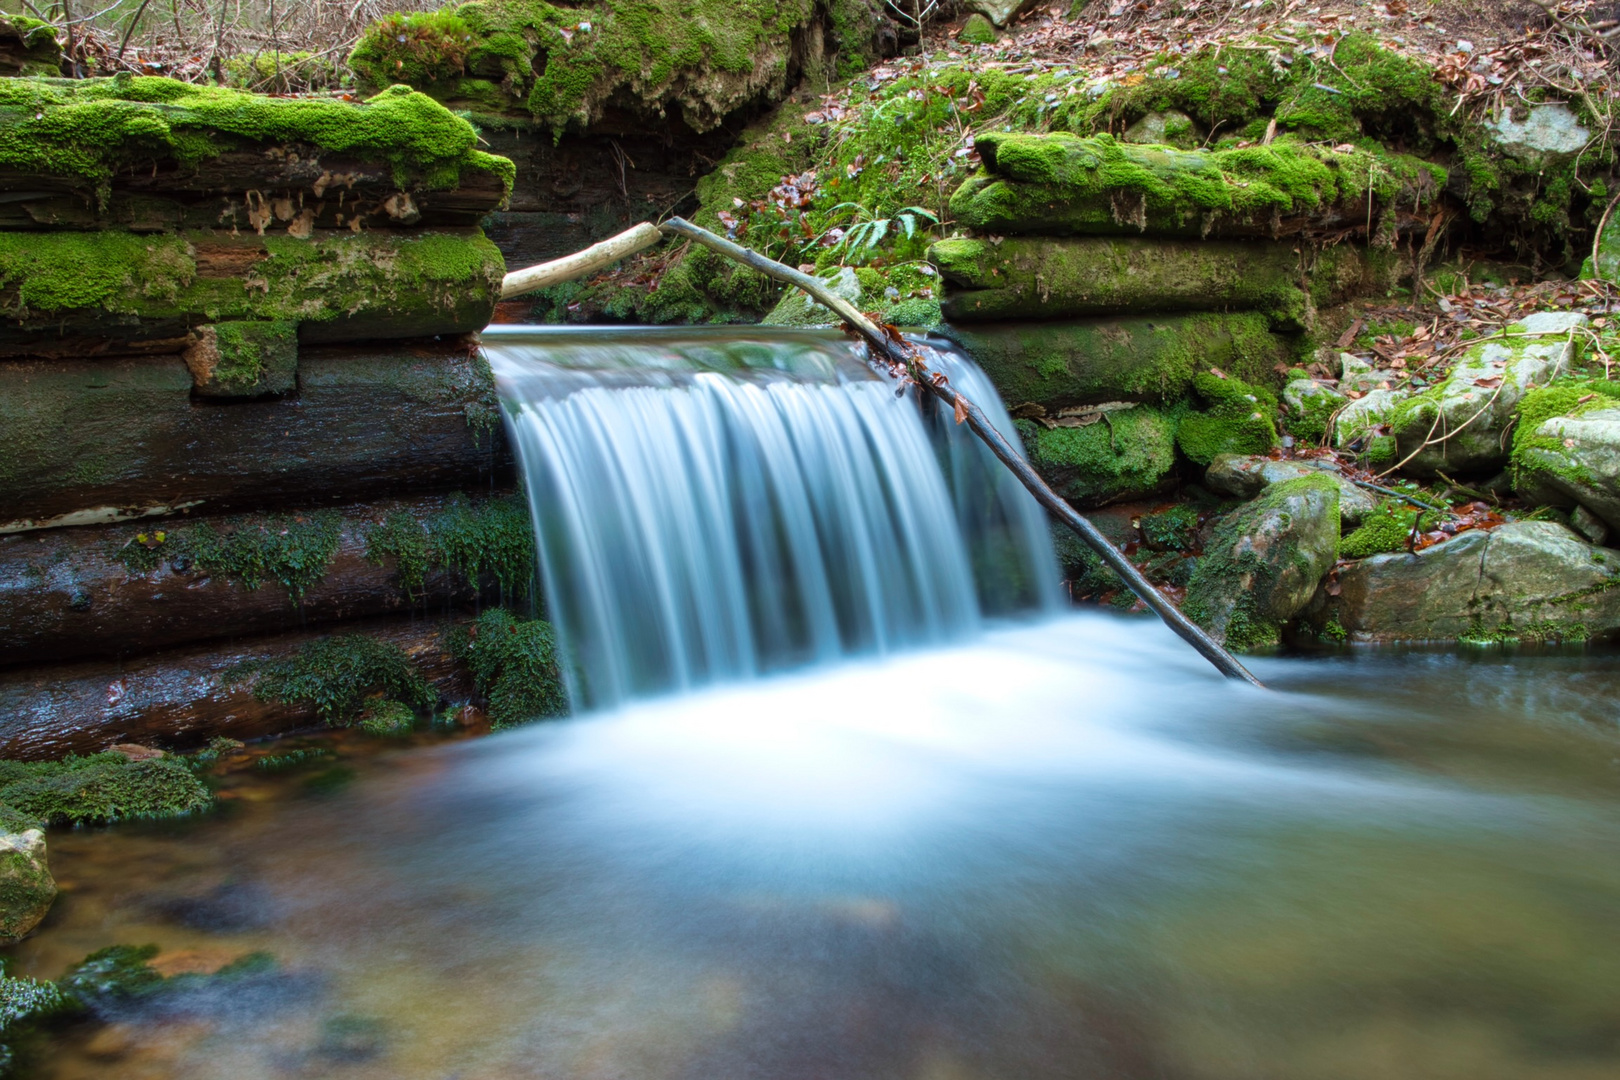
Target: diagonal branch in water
{"type": "Point", "coordinates": [900, 356]}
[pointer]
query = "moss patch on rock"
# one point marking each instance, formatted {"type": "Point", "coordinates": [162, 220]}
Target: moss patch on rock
{"type": "Point", "coordinates": [340, 677]}
{"type": "Point", "coordinates": [100, 788]}
{"type": "Point", "coordinates": [514, 666]}
{"type": "Point", "coordinates": [1128, 452]}
{"type": "Point", "coordinates": [1236, 418]}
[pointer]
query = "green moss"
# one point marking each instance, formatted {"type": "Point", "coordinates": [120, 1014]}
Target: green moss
{"type": "Point", "coordinates": [1172, 529]}
{"type": "Point", "coordinates": [1561, 398]}
{"type": "Point", "coordinates": [1236, 419]}
{"type": "Point", "coordinates": [24, 1005]}
{"type": "Point", "coordinates": [978, 30]}
{"type": "Point", "coordinates": [338, 676]}
{"type": "Point", "coordinates": [1386, 529]}
{"type": "Point", "coordinates": [1310, 423]}
{"type": "Point", "coordinates": [293, 551]}
{"type": "Point", "coordinates": [1127, 452]}
{"type": "Point", "coordinates": [1062, 183]}
{"type": "Point", "coordinates": [101, 787]}
{"type": "Point", "coordinates": [493, 536]}
{"type": "Point", "coordinates": [280, 71]}
{"type": "Point", "coordinates": [253, 358]}
{"type": "Point", "coordinates": [89, 130]}
{"type": "Point", "coordinates": [387, 718]}
{"type": "Point", "coordinates": [33, 45]}
{"type": "Point", "coordinates": [422, 48]}
{"type": "Point", "coordinates": [514, 665]}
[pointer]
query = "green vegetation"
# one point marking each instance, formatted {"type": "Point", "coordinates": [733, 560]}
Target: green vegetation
{"type": "Point", "coordinates": [1171, 529]}
{"type": "Point", "coordinates": [1536, 453]}
{"type": "Point", "coordinates": [248, 358]}
{"type": "Point", "coordinates": [340, 677]}
{"type": "Point", "coordinates": [494, 536]}
{"type": "Point", "coordinates": [36, 50]}
{"type": "Point", "coordinates": [1126, 452]}
{"type": "Point", "coordinates": [99, 788]}
{"type": "Point", "coordinates": [563, 64]}
{"type": "Point", "coordinates": [25, 1004]}
{"type": "Point", "coordinates": [89, 130]}
{"type": "Point", "coordinates": [1237, 419]}
{"type": "Point", "coordinates": [294, 551]}
{"type": "Point", "coordinates": [514, 666]}
{"type": "Point", "coordinates": [1386, 529]}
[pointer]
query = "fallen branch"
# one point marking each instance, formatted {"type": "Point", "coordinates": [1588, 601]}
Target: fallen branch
{"type": "Point", "coordinates": [580, 263]}
{"type": "Point", "coordinates": [901, 356]}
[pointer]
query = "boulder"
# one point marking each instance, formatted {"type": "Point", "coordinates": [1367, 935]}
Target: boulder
{"type": "Point", "coordinates": [1311, 406]}
{"type": "Point", "coordinates": [799, 308]}
{"type": "Point", "coordinates": [1169, 128]}
{"type": "Point", "coordinates": [978, 30]}
{"type": "Point", "coordinates": [1467, 417]}
{"type": "Point", "coordinates": [1050, 278]}
{"type": "Point", "coordinates": [1264, 561]}
{"type": "Point", "coordinates": [1119, 454]}
{"type": "Point", "coordinates": [1546, 134]}
{"type": "Point", "coordinates": [1057, 364]}
{"type": "Point", "coordinates": [26, 886]}
{"type": "Point", "coordinates": [1232, 417]}
{"type": "Point", "coordinates": [1246, 476]}
{"type": "Point", "coordinates": [1063, 185]}
{"type": "Point", "coordinates": [1526, 580]}
{"type": "Point", "coordinates": [1573, 455]}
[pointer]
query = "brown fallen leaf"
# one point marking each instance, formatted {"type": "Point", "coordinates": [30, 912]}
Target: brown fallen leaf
{"type": "Point", "coordinates": [961, 408]}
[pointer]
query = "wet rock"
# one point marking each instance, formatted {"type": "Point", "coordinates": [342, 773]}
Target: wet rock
{"type": "Point", "coordinates": [1546, 131]}
{"type": "Point", "coordinates": [1264, 562]}
{"type": "Point", "coordinates": [798, 308]}
{"type": "Point", "coordinates": [1573, 458]}
{"type": "Point", "coordinates": [1526, 580]}
{"type": "Point", "coordinates": [1466, 418]}
{"type": "Point", "coordinates": [1246, 476]}
{"type": "Point", "coordinates": [26, 886]}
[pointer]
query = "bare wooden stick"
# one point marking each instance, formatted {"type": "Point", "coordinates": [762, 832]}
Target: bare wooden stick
{"type": "Point", "coordinates": [899, 354]}
{"type": "Point", "coordinates": [580, 263]}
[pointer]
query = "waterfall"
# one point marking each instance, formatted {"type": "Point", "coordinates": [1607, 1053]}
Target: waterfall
{"type": "Point", "coordinates": [717, 504]}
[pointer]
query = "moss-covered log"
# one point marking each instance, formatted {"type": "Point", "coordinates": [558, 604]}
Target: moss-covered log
{"type": "Point", "coordinates": [86, 441]}
{"type": "Point", "coordinates": [182, 698]}
{"type": "Point", "coordinates": [28, 47]}
{"type": "Point", "coordinates": [1031, 278]}
{"type": "Point", "coordinates": [69, 294]}
{"type": "Point", "coordinates": [138, 152]}
{"type": "Point", "coordinates": [571, 65]}
{"type": "Point", "coordinates": [126, 590]}
{"type": "Point", "coordinates": [1057, 364]}
{"type": "Point", "coordinates": [1060, 184]}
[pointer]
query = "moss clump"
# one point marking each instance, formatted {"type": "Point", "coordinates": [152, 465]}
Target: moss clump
{"type": "Point", "coordinates": [1237, 419]}
{"type": "Point", "coordinates": [1534, 453]}
{"type": "Point", "coordinates": [28, 47]}
{"type": "Point", "coordinates": [24, 1005]}
{"type": "Point", "coordinates": [294, 551]}
{"type": "Point", "coordinates": [89, 130]}
{"type": "Point", "coordinates": [564, 64]}
{"type": "Point", "coordinates": [1172, 529]}
{"type": "Point", "coordinates": [99, 788]}
{"type": "Point", "coordinates": [387, 718]}
{"type": "Point", "coordinates": [339, 677]}
{"type": "Point", "coordinates": [514, 666]}
{"type": "Point", "coordinates": [1061, 183]}
{"type": "Point", "coordinates": [277, 71]}
{"type": "Point", "coordinates": [1127, 452]}
{"type": "Point", "coordinates": [1310, 410]}
{"type": "Point", "coordinates": [494, 536]}
{"type": "Point", "coordinates": [1386, 529]}
{"type": "Point", "coordinates": [240, 359]}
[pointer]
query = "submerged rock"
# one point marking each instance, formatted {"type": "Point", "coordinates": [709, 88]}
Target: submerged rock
{"type": "Point", "coordinates": [26, 886]}
{"type": "Point", "coordinates": [1465, 419]}
{"type": "Point", "coordinates": [1246, 476]}
{"type": "Point", "coordinates": [1264, 562]}
{"type": "Point", "coordinates": [1532, 580]}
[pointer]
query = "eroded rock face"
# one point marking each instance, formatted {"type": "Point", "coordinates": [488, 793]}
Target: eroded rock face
{"type": "Point", "coordinates": [26, 886]}
{"type": "Point", "coordinates": [1246, 476]}
{"type": "Point", "coordinates": [1465, 420]}
{"type": "Point", "coordinates": [1579, 458]}
{"type": "Point", "coordinates": [1529, 579]}
{"type": "Point", "coordinates": [1264, 562]}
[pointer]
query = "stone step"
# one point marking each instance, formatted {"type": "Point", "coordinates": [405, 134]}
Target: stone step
{"type": "Point", "coordinates": [128, 590]}
{"type": "Point", "coordinates": [92, 441]}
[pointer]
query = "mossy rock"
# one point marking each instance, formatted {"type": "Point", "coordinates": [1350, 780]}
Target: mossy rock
{"type": "Point", "coordinates": [28, 47]}
{"type": "Point", "coordinates": [100, 788]}
{"type": "Point", "coordinates": [1030, 278]}
{"type": "Point", "coordinates": [1264, 561]}
{"type": "Point", "coordinates": [26, 886]}
{"type": "Point", "coordinates": [1056, 364]}
{"type": "Point", "coordinates": [566, 65]}
{"type": "Point", "coordinates": [345, 679]}
{"type": "Point", "coordinates": [1566, 447]}
{"type": "Point", "coordinates": [900, 296]}
{"type": "Point", "coordinates": [1236, 418]}
{"type": "Point", "coordinates": [91, 135]}
{"type": "Point", "coordinates": [1125, 453]}
{"type": "Point", "coordinates": [67, 291]}
{"type": "Point", "coordinates": [1062, 184]}
{"type": "Point", "coordinates": [978, 30]}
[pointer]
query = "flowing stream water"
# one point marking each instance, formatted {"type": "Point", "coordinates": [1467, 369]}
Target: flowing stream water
{"type": "Point", "coordinates": [850, 799]}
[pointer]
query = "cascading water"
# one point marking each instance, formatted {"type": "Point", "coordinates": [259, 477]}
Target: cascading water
{"type": "Point", "coordinates": [715, 505]}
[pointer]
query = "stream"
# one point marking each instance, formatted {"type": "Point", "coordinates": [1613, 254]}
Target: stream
{"type": "Point", "coordinates": [1064, 849]}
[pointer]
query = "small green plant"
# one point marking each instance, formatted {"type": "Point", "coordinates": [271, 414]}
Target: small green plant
{"type": "Point", "coordinates": [860, 241]}
{"type": "Point", "coordinates": [514, 665]}
{"type": "Point", "coordinates": [293, 551]}
{"type": "Point", "coordinates": [387, 718]}
{"type": "Point", "coordinates": [494, 535]}
{"type": "Point", "coordinates": [338, 676]}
